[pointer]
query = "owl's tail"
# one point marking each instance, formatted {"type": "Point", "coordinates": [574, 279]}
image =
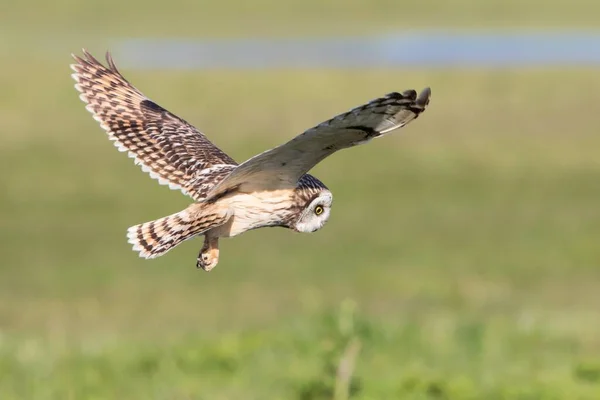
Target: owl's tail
{"type": "Point", "coordinates": [154, 238]}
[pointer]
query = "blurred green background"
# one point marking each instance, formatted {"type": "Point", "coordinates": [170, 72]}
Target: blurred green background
{"type": "Point", "coordinates": [461, 257]}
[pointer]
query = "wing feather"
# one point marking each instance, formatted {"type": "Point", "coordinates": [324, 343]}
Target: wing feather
{"type": "Point", "coordinates": [285, 165]}
{"type": "Point", "coordinates": [164, 145]}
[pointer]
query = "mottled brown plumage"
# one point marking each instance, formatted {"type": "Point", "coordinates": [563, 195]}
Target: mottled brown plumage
{"type": "Point", "coordinates": [154, 238]}
{"type": "Point", "coordinates": [166, 146]}
{"type": "Point", "coordinates": [270, 189]}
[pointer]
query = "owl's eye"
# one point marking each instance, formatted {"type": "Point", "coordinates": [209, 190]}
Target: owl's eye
{"type": "Point", "coordinates": [319, 210]}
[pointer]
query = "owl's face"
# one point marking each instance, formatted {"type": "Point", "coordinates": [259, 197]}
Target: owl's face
{"type": "Point", "coordinates": [315, 213]}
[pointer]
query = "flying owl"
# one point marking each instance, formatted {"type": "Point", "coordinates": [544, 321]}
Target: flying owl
{"type": "Point", "coordinates": [270, 189]}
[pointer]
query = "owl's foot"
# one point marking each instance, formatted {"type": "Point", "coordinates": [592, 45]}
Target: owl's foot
{"type": "Point", "coordinates": [209, 254]}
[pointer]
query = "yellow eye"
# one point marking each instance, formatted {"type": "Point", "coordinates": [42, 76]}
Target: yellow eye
{"type": "Point", "coordinates": [319, 210]}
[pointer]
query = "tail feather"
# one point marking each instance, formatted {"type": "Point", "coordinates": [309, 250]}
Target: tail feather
{"type": "Point", "coordinates": [154, 238]}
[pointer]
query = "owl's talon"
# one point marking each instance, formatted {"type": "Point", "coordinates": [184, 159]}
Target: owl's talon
{"type": "Point", "coordinates": [209, 254]}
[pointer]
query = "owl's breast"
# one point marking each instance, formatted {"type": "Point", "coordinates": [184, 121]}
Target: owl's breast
{"type": "Point", "coordinates": [257, 210]}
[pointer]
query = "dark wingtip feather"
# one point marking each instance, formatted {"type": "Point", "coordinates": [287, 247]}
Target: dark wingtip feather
{"type": "Point", "coordinates": [424, 97]}
{"type": "Point", "coordinates": [111, 62]}
{"type": "Point", "coordinates": [410, 94]}
{"type": "Point", "coordinates": [90, 58]}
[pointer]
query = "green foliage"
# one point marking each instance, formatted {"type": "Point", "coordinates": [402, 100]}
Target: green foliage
{"type": "Point", "coordinates": [301, 359]}
{"type": "Point", "coordinates": [588, 371]}
{"type": "Point", "coordinates": [341, 332]}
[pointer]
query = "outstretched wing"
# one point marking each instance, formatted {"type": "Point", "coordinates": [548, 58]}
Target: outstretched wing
{"type": "Point", "coordinates": [166, 146]}
{"type": "Point", "coordinates": [284, 165]}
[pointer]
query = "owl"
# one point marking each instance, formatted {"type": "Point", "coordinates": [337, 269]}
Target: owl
{"type": "Point", "coordinates": [271, 189]}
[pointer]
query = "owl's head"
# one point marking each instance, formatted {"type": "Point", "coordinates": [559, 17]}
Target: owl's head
{"type": "Point", "coordinates": [315, 213]}
{"type": "Point", "coordinates": [314, 204]}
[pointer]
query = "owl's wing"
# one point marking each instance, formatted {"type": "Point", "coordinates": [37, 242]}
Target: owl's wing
{"type": "Point", "coordinates": [166, 146]}
{"type": "Point", "coordinates": [284, 165]}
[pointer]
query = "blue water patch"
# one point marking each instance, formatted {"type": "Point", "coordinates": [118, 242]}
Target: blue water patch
{"type": "Point", "coordinates": [414, 49]}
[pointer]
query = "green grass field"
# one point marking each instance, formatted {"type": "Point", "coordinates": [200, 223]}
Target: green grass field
{"type": "Point", "coordinates": [461, 260]}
